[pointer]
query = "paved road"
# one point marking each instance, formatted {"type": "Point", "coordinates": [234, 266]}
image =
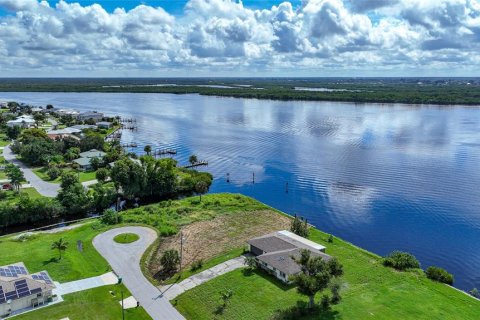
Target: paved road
{"type": "Point", "coordinates": [46, 189]}
{"type": "Point", "coordinates": [125, 261]}
{"type": "Point", "coordinates": [172, 291]}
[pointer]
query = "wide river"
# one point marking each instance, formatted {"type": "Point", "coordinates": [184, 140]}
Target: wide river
{"type": "Point", "coordinates": [383, 177]}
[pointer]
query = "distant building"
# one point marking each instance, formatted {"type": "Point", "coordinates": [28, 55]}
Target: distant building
{"type": "Point", "coordinates": [20, 290]}
{"type": "Point", "coordinates": [104, 124]}
{"type": "Point", "coordinates": [24, 121]}
{"type": "Point", "coordinates": [84, 126]}
{"type": "Point", "coordinates": [36, 109]}
{"type": "Point", "coordinates": [274, 252]}
{"type": "Point", "coordinates": [66, 112]}
{"type": "Point", "coordinates": [3, 104]}
{"type": "Point", "coordinates": [96, 116]}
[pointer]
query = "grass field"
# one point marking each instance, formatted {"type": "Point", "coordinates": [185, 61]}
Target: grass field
{"type": "Point", "coordinates": [3, 139]}
{"type": "Point", "coordinates": [126, 238]}
{"type": "Point", "coordinates": [37, 254]}
{"type": "Point", "coordinates": [93, 304]}
{"type": "Point", "coordinates": [370, 290]}
{"type": "Point", "coordinates": [12, 196]}
{"type": "Point", "coordinates": [83, 176]}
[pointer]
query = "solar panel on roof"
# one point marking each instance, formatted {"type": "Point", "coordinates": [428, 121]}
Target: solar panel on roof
{"type": "Point", "coordinates": [11, 295]}
{"type": "Point", "coordinates": [23, 294]}
{"type": "Point", "coordinates": [18, 282]}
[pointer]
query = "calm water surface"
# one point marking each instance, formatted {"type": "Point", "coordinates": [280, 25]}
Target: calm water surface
{"type": "Point", "coordinates": [384, 177]}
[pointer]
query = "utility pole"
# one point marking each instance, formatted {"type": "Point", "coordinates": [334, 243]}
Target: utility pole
{"type": "Point", "coordinates": [181, 249]}
{"type": "Point", "coordinates": [123, 310]}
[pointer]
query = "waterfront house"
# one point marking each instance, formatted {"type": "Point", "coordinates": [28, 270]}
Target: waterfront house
{"type": "Point", "coordinates": [63, 133]}
{"type": "Point", "coordinates": [94, 115]}
{"type": "Point", "coordinates": [21, 290]}
{"type": "Point", "coordinates": [104, 124]}
{"type": "Point", "coordinates": [65, 112]}
{"type": "Point", "coordinates": [24, 121]}
{"type": "Point", "coordinates": [3, 105]}
{"type": "Point", "coordinates": [274, 252]}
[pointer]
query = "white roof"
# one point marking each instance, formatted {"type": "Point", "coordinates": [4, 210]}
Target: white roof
{"type": "Point", "coordinates": [64, 131]}
{"type": "Point", "coordinates": [302, 240]}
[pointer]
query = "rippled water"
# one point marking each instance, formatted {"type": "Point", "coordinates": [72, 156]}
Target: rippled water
{"type": "Point", "coordinates": [384, 177]}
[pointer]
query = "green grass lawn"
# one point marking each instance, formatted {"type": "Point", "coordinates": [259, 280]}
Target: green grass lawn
{"type": "Point", "coordinates": [93, 304]}
{"type": "Point", "coordinates": [13, 196]}
{"type": "Point", "coordinates": [37, 254]}
{"type": "Point", "coordinates": [83, 176]}
{"type": "Point", "coordinates": [126, 238]}
{"type": "Point", "coordinates": [206, 265]}
{"type": "Point", "coordinates": [3, 139]}
{"type": "Point", "coordinates": [370, 290]}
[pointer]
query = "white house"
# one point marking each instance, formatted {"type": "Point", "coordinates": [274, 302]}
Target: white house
{"type": "Point", "coordinates": [94, 115]}
{"type": "Point", "coordinates": [21, 290]}
{"type": "Point", "coordinates": [24, 121]}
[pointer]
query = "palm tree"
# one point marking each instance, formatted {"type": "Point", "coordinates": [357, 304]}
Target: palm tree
{"type": "Point", "coordinates": [15, 175]}
{"type": "Point", "coordinates": [148, 149]}
{"type": "Point", "coordinates": [60, 245]}
{"type": "Point", "coordinates": [193, 159]}
{"type": "Point", "coordinates": [201, 188]}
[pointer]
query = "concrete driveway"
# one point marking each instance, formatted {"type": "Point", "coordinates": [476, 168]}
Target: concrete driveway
{"type": "Point", "coordinates": [46, 189]}
{"type": "Point", "coordinates": [125, 261]}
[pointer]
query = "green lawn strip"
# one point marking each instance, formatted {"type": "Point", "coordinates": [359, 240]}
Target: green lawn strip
{"type": "Point", "coordinates": [126, 238]}
{"type": "Point", "coordinates": [90, 304]}
{"type": "Point", "coordinates": [206, 265]}
{"type": "Point", "coordinates": [83, 175]}
{"type": "Point", "coordinates": [369, 290]}
{"type": "Point", "coordinates": [37, 254]}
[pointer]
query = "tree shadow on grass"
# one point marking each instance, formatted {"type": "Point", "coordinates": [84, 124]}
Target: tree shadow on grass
{"type": "Point", "coordinates": [52, 260]}
{"type": "Point", "coordinates": [300, 311]}
{"type": "Point", "coordinates": [270, 278]}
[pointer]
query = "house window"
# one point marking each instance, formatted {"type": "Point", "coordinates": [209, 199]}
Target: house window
{"type": "Point", "coordinates": [283, 275]}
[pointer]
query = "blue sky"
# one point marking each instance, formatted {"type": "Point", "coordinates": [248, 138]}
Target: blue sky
{"type": "Point", "coordinates": [174, 7]}
{"type": "Point", "coordinates": [232, 38]}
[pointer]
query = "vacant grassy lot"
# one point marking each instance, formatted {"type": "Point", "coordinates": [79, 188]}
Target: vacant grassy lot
{"type": "Point", "coordinates": [93, 304]}
{"type": "Point", "coordinates": [83, 176]}
{"type": "Point", "coordinates": [222, 238]}
{"type": "Point", "coordinates": [37, 255]}
{"type": "Point", "coordinates": [370, 291]}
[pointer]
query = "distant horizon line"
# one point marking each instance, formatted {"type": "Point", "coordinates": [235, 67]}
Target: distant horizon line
{"type": "Point", "coordinates": [244, 77]}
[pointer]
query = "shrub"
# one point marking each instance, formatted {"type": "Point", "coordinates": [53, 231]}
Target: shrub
{"type": "Point", "coordinates": [401, 261]}
{"type": "Point", "coordinates": [196, 265]}
{"type": "Point", "coordinates": [299, 226]}
{"type": "Point", "coordinates": [325, 303]}
{"type": "Point", "coordinates": [330, 238]}
{"type": "Point", "coordinates": [439, 274]}
{"type": "Point", "coordinates": [3, 195]}
{"type": "Point", "coordinates": [111, 217]}
{"type": "Point", "coordinates": [53, 173]}
{"type": "Point", "coordinates": [474, 292]}
{"type": "Point", "coordinates": [170, 260]}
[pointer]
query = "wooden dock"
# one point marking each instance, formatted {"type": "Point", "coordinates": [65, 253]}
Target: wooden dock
{"type": "Point", "coordinates": [160, 152]}
{"type": "Point", "coordinates": [196, 164]}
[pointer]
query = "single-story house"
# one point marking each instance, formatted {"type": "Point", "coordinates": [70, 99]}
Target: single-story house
{"type": "Point", "coordinates": [97, 116]}
{"type": "Point", "coordinates": [62, 133]}
{"type": "Point", "coordinates": [84, 126]}
{"type": "Point", "coordinates": [274, 252]}
{"type": "Point", "coordinates": [24, 121]}
{"type": "Point", "coordinates": [104, 124]}
{"type": "Point", "coordinates": [3, 104]}
{"type": "Point", "coordinates": [20, 290]}
{"type": "Point", "coordinates": [87, 156]}
{"type": "Point", "coordinates": [66, 112]}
